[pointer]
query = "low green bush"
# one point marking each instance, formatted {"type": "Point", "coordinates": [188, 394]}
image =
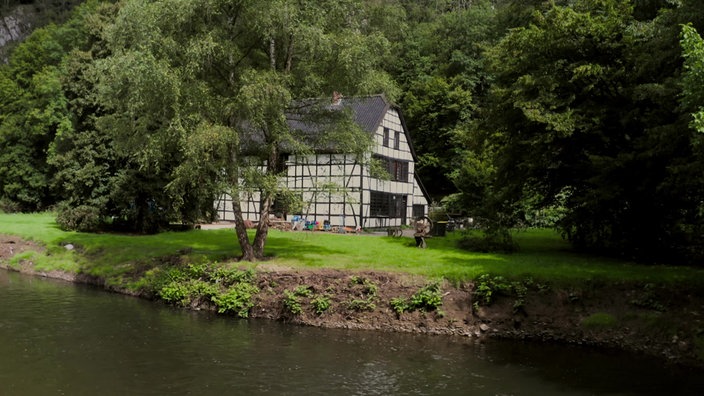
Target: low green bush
{"type": "Point", "coordinates": [487, 288]}
{"type": "Point", "coordinates": [368, 287]}
{"type": "Point", "coordinates": [360, 305]}
{"type": "Point", "coordinates": [599, 320]}
{"type": "Point", "coordinates": [175, 292]}
{"type": "Point", "coordinates": [428, 298]}
{"type": "Point", "coordinates": [236, 299]}
{"type": "Point", "coordinates": [321, 303]}
{"type": "Point", "coordinates": [648, 299]}
{"type": "Point", "coordinates": [303, 291]}
{"type": "Point", "coordinates": [399, 305]}
{"type": "Point", "coordinates": [82, 218]}
{"type": "Point", "coordinates": [229, 276]}
{"type": "Point", "coordinates": [488, 242]}
{"type": "Point", "coordinates": [292, 303]}
{"type": "Point", "coordinates": [231, 290]}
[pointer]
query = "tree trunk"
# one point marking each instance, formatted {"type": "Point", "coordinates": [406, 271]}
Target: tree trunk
{"type": "Point", "coordinates": [262, 231]}
{"type": "Point", "coordinates": [241, 230]}
{"type": "Point", "coordinates": [272, 53]}
{"type": "Point", "coordinates": [289, 55]}
{"type": "Point", "coordinates": [265, 210]}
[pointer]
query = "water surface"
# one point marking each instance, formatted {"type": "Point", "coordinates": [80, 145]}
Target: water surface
{"type": "Point", "coordinates": [57, 338]}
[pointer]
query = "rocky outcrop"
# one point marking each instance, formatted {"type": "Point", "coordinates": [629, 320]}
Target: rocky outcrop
{"type": "Point", "coordinates": [14, 26]}
{"type": "Point", "coordinates": [18, 21]}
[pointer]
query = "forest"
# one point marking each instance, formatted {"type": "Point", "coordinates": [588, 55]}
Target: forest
{"type": "Point", "coordinates": [586, 116]}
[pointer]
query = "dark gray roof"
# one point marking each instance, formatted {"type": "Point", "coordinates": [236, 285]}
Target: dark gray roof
{"type": "Point", "coordinates": [368, 112]}
{"type": "Point", "coordinates": [311, 116]}
{"type": "Point", "coordinates": [308, 120]}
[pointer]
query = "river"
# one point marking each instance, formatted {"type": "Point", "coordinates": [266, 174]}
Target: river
{"type": "Point", "coordinates": [57, 338]}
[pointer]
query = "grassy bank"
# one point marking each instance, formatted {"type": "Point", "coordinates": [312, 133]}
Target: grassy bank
{"type": "Point", "coordinates": [543, 254]}
{"type": "Point", "coordinates": [543, 292]}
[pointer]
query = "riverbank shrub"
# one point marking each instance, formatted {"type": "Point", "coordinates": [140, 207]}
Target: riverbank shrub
{"type": "Point", "coordinates": [648, 299]}
{"type": "Point", "coordinates": [237, 299]}
{"type": "Point", "coordinates": [599, 320]}
{"type": "Point", "coordinates": [321, 303]}
{"type": "Point", "coordinates": [367, 291]}
{"type": "Point", "coordinates": [489, 287]}
{"type": "Point", "coordinates": [362, 305]}
{"type": "Point", "coordinates": [427, 298]}
{"type": "Point", "coordinates": [368, 287]}
{"type": "Point", "coordinates": [293, 300]}
{"type": "Point", "coordinates": [187, 292]}
{"type": "Point", "coordinates": [399, 305]}
{"type": "Point", "coordinates": [231, 276]}
{"type": "Point", "coordinates": [292, 303]}
{"type": "Point", "coordinates": [176, 293]}
{"type": "Point", "coordinates": [230, 290]}
{"type": "Point", "coordinates": [303, 291]}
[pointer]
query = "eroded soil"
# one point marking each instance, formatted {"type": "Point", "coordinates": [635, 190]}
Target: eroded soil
{"type": "Point", "coordinates": [11, 245]}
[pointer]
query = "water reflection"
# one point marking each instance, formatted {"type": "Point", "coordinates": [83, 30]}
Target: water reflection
{"type": "Point", "coordinates": [61, 339]}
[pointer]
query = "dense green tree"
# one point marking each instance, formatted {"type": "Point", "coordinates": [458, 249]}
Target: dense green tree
{"type": "Point", "coordinates": [91, 179]}
{"type": "Point", "coordinates": [200, 90]}
{"type": "Point", "coordinates": [577, 115]}
{"type": "Point", "coordinates": [441, 81]}
{"type": "Point", "coordinates": [33, 111]}
{"type": "Point", "coordinates": [692, 219]}
{"type": "Point", "coordinates": [693, 81]}
{"type": "Point", "coordinates": [436, 110]}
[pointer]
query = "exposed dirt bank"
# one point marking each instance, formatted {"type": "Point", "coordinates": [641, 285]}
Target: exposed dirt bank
{"type": "Point", "coordinates": [641, 318]}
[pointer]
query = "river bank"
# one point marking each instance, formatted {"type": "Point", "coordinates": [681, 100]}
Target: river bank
{"type": "Point", "coordinates": [633, 316]}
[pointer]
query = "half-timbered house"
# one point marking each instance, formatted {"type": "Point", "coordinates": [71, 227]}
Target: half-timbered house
{"type": "Point", "coordinates": [338, 189]}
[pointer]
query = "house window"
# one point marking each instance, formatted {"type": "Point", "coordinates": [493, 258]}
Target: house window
{"type": "Point", "coordinates": [386, 137]}
{"type": "Point", "coordinates": [378, 204]}
{"type": "Point", "coordinates": [397, 140]}
{"type": "Point", "coordinates": [418, 211]}
{"type": "Point", "coordinates": [398, 170]}
{"type": "Point", "coordinates": [383, 204]}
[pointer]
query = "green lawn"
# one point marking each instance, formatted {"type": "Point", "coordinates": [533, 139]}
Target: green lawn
{"type": "Point", "coordinates": [543, 254]}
